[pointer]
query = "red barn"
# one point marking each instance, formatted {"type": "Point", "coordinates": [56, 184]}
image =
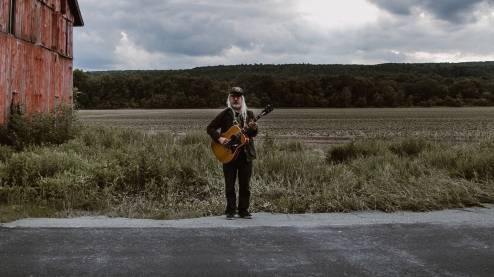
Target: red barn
{"type": "Point", "coordinates": [36, 53]}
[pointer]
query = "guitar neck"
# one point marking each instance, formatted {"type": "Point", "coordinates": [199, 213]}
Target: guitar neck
{"type": "Point", "coordinates": [255, 120]}
{"type": "Point", "coordinates": [266, 111]}
{"type": "Point", "coordinates": [259, 116]}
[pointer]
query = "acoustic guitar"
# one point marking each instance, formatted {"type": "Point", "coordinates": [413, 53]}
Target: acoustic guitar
{"type": "Point", "coordinates": [228, 152]}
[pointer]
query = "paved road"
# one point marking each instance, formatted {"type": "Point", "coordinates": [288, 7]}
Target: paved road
{"type": "Point", "coordinates": [448, 243]}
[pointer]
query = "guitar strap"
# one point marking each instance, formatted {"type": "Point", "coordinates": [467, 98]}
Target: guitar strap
{"type": "Point", "coordinates": [238, 120]}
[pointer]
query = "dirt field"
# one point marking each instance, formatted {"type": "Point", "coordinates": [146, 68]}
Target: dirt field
{"type": "Point", "coordinates": [321, 126]}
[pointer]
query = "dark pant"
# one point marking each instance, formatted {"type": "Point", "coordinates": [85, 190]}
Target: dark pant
{"type": "Point", "coordinates": [244, 169]}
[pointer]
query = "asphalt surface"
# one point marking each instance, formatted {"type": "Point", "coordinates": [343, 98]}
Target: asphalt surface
{"type": "Point", "coordinates": [447, 243]}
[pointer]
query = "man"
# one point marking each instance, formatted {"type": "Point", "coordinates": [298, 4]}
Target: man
{"type": "Point", "coordinates": [236, 113]}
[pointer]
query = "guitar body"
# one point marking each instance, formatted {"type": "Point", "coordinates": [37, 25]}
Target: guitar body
{"type": "Point", "coordinates": [227, 153]}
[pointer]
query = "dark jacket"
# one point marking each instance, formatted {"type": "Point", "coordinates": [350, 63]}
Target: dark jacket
{"type": "Point", "coordinates": [223, 121]}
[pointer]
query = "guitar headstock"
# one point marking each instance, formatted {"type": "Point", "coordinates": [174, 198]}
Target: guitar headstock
{"type": "Point", "coordinates": [269, 108]}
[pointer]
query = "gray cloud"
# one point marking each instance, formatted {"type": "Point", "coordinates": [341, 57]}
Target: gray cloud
{"type": "Point", "coordinates": [129, 34]}
{"type": "Point", "coordinates": [194, 28]}
{"type": "Point", "coordinates": [198, 28]}
{"type": "Point", "coordinates": [454, 11]}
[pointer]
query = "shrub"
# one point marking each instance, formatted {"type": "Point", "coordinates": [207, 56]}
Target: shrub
{"type": "Point", "coordinates": [37, 129]}
{"type": "Point", "coordinates": [27, 168]}
{"type": "Point", "coordinates": [409, 147]}
{"type": "Point", "coordinates": [348, 152]}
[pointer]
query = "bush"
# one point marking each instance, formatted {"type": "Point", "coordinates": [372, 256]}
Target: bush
{"type": "Point", "coordinates": [27, 168]}
{"type": "Point", "coordinates": [37, 129]}
{"type": "Point", "coordinates": [348, 152]}
{"type": "Point", "coordinates": [409, 147]}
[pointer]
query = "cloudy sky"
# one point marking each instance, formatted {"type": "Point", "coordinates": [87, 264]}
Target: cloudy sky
{"type": "Point", "coordinates": [175, 34]}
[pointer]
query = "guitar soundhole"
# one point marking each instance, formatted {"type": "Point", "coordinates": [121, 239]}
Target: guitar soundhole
{"type": "Point", "coordinates": [234, 140]}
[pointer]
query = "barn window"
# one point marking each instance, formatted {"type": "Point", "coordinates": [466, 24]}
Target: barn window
{"type": "Point", "coordinates": [12, 17]}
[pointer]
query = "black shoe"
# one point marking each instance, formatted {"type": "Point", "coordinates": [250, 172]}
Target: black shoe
{"type": "Point", "coordinates": [230, 216]}
{"type": "Point", "coordinates": [245, 215]}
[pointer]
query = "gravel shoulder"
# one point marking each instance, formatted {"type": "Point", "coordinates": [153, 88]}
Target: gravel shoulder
{"type": "Point", "coordinates": [475, 216]}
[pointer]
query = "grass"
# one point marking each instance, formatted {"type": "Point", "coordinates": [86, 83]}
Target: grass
{"type": "Point", "coordinates": [124, 172]}
{"type": "Point", "coordinates": [52, 167]}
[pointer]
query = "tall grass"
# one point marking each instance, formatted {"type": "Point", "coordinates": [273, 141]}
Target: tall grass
{"type": "Point", "coordinates": [121, 172]}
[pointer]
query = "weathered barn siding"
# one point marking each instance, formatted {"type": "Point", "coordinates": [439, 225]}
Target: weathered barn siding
{"type": "Point", "coordinates": [36, 61]}
{"type": "Point", "coordinates": [46, 23]}
{"type": "Point", "coordinates": [4, 15]}
{"type": "Point", "coordinates": [37, 78]}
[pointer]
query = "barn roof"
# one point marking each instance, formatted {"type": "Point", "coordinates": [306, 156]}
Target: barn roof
{"type": "Point", "coordinates": [74, 7]}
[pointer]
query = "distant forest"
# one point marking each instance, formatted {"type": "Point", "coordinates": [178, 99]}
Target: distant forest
{"type": "Point", "coordinates": [294, 85]}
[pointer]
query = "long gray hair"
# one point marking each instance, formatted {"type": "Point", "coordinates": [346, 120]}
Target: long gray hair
{"type": "Point", "coordinates": [243, 110]}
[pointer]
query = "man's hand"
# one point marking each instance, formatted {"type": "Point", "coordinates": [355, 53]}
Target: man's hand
{"type": "Point", "coordinates": [223, 140]}
{"type": "Point", "coordinates": [253, 125]}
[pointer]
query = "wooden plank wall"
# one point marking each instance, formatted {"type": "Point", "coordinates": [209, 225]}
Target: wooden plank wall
{"type": "Point", "coordinates": [4, 15]}
{"type": "Point", "coordinates": [50, 27]}
{"type": "Point", "coordinates": [36, 64]}
{"type": "Point", "coordinates": [4, 76]}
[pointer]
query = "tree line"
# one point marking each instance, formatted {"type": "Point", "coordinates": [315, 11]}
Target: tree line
{"type": "Point", "coordinates": [296, 85]}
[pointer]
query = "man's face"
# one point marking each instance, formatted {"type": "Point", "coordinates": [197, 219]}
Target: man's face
{"type": "Point", "coordinates": [236, 102]}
